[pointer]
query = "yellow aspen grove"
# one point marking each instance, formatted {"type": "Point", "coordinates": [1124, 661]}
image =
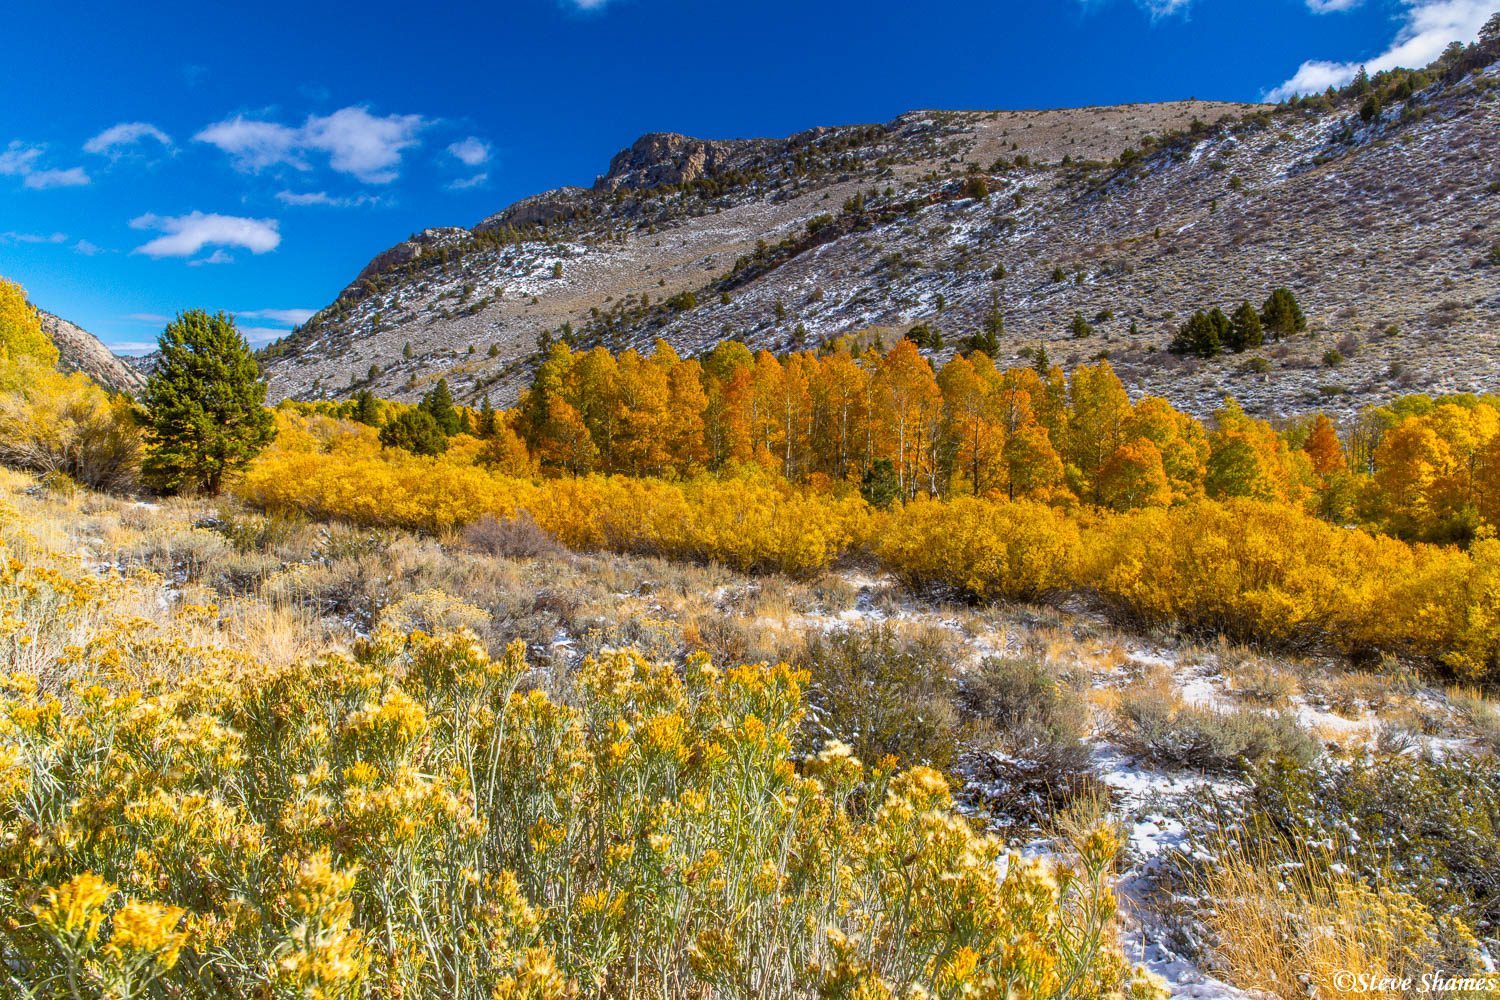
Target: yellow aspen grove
{"type": "Point", "coordinates": [1179, 439]}
{"type": "Point", "coordinates": [1096, 426]}
{"type": "Point", "coordinates": [910, 414]}
{"type": "Point", "coordinates": [840, 391]}
{"type": "Point", "coordinates": [974, 432]}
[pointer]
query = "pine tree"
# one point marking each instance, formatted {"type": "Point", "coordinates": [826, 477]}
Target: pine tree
{"type": "Point", "coordinates": [1223, 328]}
{"type": "Point", "coordinates": [1361, 85]}
{"type": "Point", "coordinates": [439, 405]}
{"type": "Point", "coordinates": [1281, 315]}
{"type": "Point", "coordinates": [406, 351]}
{"type": "Point", "coordinates": [1040, 362]}
{"type": "Point", "coordinates": [880, 485]}
{"type": "Point", "coordinates": [1490, 33]}
{"type": "Point", "coordinates": [1245, 329]}
{"type": "Point", "coordinates": [365, 409]}
{"type": "Point", "coordinates": [487, 425]}
{"type": "Point", "coordinates": [205, 405]}
{"type": "Point", "coordinates": [1198, 336]}
{"type": "Point", "coordinates": [925, 337]}
{"type": "Point", "coordinates": [415, 431]}
{"type": "Point", "coordinates": [1079, 326]}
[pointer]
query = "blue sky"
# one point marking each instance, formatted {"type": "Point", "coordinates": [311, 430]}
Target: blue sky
{"type": "Point", "coordinates": [253, 157]}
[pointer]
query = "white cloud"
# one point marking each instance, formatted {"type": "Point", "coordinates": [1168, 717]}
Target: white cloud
{"type": "Point", "coordinates": [14, 237]}
{"type": "Point", "coordinates": [1158, 9]}
{"type": "Point", "coordinates": [1164, 8]}
{"type": "Point", "coordinates": [20, 160]}
{"type": "Point", "coordinates": [43, 179]}
{"type": "Point", "coordinates": [254, 145]}
{"type": "Point", "coordinates": [320, 198]}
{"type": "Point", "coordinates": [589, 4]}
{"type": "Point", "coordinates": [367, 146]}
{"type": "Point", "coordinates": [149, 318]}
{"type": "Point", "coordinates": [217, 257]}
{"type": "Point", "coordinates": [362, 144]}
{"type": "Point", "coordinates": [86, 248]}
{"type": "Point", "coordinates": [471, 152]}
{"type": "Point", "coordinates": [1430, 25]}
{"type": "Point", "coordinates": [185, 235]}
{"type": "Point", "coordinates": [294, 317]}
{"type": "Point", "coordinates": [1332, 6]}
{"type": "Point", "coordinates": [468, 182]}
{"type": "Point", "coordinates": [331, 201]}
{"type": "Point", "coordinates": [132, 347]}
{"type": "Point", "coordinates": [110, 141]}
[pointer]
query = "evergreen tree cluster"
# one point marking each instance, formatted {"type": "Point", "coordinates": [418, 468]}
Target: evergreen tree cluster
{"type": "Point", "coordinates": [1210, 333]}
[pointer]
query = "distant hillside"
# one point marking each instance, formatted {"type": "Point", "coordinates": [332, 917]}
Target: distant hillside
{"type": "Point", "coordinates": [81, 351]}
{"type": "Point", "coordinates": [1132, 217]}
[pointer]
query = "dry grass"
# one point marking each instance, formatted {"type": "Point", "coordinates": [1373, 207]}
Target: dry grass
{"type": "Point", "coordinates": [1262, 683]}
{"type": "Point", "coordinates": [1480, 713]}
{"type": "Point", "coordinates": [1288, 930]}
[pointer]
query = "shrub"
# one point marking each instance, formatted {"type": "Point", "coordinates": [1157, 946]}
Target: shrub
{"type": "Point", "coordinates": [405, 821]}
{"type": "Point", "coordinates": [1020, 550]}
{"type": "Point", "coordinates": [1024, 696]}
{"type": "Point", "coordinates": [65, 424]}
{"type": "Point", "coordinates": [516, 537]}
{"type": "Point", "coordinates": [883, 696]}
{"type": "Point", "coordinates": [1155, 725]}
{"type": "Point", "coordinates": [1270, 924]}
{"type": "Point", "coordinates": [1424, 826]}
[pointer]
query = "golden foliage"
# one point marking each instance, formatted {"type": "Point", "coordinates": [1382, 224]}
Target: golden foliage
{"type": "Point", "coordinates": [65, 424]}
{"type": "Point", "coordinates": [412, 820]}
{"type": "Point", "coordinates": [20, 329]}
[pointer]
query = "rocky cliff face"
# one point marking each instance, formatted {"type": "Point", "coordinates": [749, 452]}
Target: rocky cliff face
{"type": "Point", "coordinates": [661, 159]}
{"type": "Point", "coordinates": [427, 241]}
{"type": "Point", "coordinates": [81, 351]}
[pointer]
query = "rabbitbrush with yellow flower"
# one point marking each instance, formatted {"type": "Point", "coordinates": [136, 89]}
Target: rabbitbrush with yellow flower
{"type": "Point", "coordinates": [411, 820]}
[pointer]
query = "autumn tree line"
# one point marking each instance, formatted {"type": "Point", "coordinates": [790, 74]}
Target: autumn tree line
{"type": "Point", "coordinates": [895, 428]}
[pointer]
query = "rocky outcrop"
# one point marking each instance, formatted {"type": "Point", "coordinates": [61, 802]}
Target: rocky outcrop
{"type": "Point", "coordinates": [538, 210]}
{"type": "Point", "coordinates": [428, 240]}
{"type": "Point", "coordinates": [658, 159]}
{"type": "Point", "coordinates": [80, 351]}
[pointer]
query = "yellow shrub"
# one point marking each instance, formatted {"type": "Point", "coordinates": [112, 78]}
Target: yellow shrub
{"type": "Point", "coordinates": [1018, 550]}
{"type": "Point", "coordinates": [410, 821]}
{"type": "Point", "coordinates": [56, 423]}
{"type": "Point", "coordinates": [331, 469]}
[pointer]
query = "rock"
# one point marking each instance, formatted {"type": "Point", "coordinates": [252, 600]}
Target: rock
{"type": "Point", "coordinates": [80, 351]}
{"type": "Point", "coordinates": [658, 159]}
{"type": "Point", "coordinates": [538, 210]}
{"type": "Point", "coordinates": [407, 250]}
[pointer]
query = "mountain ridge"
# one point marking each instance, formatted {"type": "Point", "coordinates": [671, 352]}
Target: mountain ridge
{"type": "Point", "coordinates": [81, 351]}
{"type": "Point", "coordinates": [838, 229]}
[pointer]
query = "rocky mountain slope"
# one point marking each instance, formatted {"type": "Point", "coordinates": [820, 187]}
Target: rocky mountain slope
{"type": "Point", "coordinates": [1132, 217]}
{"type": "Point", "coordinates": [81, 351]}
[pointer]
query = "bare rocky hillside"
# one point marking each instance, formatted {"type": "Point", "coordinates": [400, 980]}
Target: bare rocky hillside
{"type": "Point", "coordinates": [80, 351]}
{"type": "Point", "coordinates": [1132, 216]}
